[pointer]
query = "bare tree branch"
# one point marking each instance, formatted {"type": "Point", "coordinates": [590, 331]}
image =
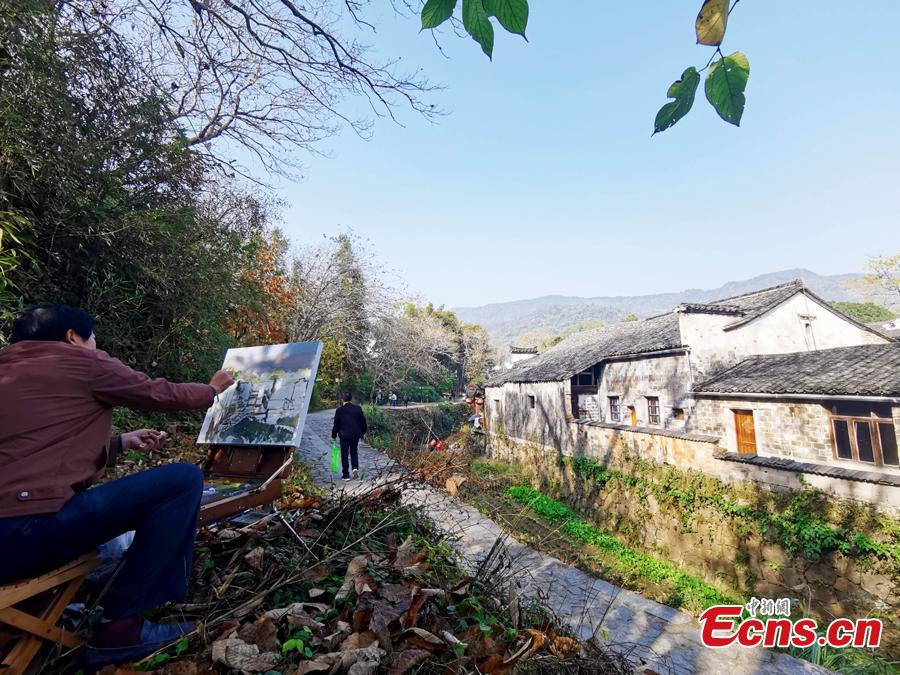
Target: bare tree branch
{"type": "Point", "coordinates": [269, 76]}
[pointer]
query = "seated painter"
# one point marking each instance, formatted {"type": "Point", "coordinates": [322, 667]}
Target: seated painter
{"type": "Point", "coordinates": [57, 394]}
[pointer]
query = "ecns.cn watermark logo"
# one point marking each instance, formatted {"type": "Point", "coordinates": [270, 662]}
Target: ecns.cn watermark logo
{"type": "Point", "coordinates": [725, 625]}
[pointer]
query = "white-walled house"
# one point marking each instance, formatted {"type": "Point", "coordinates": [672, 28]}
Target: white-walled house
{"type": "Point", "coordinates": [833, 407]}
{"type": "Point", "coordinates": [654, 383]}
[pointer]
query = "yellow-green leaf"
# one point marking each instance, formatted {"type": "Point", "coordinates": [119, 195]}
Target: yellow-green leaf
{"type": "Point", "coordinates": [683, 92]}
{"type": "Point", "coordinates": [711, 22]}
{"type": "Point", "coordinates": [725, 85]}
{"type": "Point", "coordinates": [436, 12]}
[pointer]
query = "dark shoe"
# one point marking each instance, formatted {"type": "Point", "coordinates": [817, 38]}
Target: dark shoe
{"type": "Point", "coordinates": [345, 478]}
{"type": "Point", "coordinates": [154, 636]}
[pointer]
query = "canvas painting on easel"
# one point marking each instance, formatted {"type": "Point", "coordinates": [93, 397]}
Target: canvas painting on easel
{"type": "Point", "coordinates": [267, 404]}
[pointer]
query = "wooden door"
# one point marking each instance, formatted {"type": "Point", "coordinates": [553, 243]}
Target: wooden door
{"type": "Point", "coordinates": [745, 431]}
{"type": "Point", "coordinates": [633, 417]}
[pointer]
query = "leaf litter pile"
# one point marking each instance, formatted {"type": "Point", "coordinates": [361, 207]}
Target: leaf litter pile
{"type": "Point", "coordinates": [358, 585]}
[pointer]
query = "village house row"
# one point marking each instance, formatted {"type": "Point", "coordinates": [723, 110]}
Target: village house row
{"type": "Point", "coordinates": [774, 386]}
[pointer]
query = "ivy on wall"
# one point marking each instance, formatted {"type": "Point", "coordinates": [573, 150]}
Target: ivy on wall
{"type": "Point", "coordinates": [798, 526]}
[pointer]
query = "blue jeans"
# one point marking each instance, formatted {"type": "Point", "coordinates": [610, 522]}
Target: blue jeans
{"type": "Point", "coordinates": [160, 505]}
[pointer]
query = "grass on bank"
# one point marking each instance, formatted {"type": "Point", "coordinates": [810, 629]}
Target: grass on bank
{"type": "Point", "coordinates": [687, 591]}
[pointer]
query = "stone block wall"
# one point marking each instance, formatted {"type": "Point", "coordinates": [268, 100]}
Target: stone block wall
{"type": "Point", "coordinates": [704, 541]}
{"type": "Point", "coordinates": [633, 380]}
{"type": "Point", "coordinates": [800, 430]}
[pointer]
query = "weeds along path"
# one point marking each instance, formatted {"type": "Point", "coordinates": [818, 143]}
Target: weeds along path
{"type": "Point", "coordinates": [662, 637]}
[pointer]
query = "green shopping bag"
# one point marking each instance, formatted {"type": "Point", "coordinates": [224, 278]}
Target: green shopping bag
{"type": "Point", "coordinates": [335, 457]}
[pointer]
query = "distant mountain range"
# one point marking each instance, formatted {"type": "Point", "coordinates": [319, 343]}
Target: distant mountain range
{"type": "Point", "coordinates": [539, 318]}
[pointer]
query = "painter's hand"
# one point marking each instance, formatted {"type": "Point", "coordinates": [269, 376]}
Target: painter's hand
{"type": "Point", "coordinates": [221, 381]}
{"type": "Point", "coordinates": [144, 439]}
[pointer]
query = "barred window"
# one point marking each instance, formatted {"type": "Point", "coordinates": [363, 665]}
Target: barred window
{"type": "Point", "coordinates": [653, 410]}
{"type": "Point", "coordinates": [615, 409]}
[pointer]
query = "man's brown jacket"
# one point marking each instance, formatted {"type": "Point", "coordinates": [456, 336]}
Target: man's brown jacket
{"type": "Point", "coordinates": [56, 403]}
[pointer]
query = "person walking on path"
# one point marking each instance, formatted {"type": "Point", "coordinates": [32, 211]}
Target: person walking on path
{"type": "Point", "coordinates": [58, 392]}
{"type": "Point", "coordinates": [349, 425]}
{"type": "Point", "coordinates": [394, 399]}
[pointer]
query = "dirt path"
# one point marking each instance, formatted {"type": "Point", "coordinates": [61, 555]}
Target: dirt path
{"type": "Point", "coordinates": [667, 639]}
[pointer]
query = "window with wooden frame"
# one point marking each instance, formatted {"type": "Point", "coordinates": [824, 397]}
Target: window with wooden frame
{"type": "Point", "coordinates": [864, 432]}
{"type": "Point", "coordinates": [653, 410]}
{"type": "Point", "coordinates": [532, 402]}
{"type": "Point", "coordinates": [586, 378]}
{"type": "Point", "coordinates": [615, 409]}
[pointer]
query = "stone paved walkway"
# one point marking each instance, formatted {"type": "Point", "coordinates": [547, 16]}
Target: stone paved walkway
{"type": "Point", "coordinates": [667, 639]}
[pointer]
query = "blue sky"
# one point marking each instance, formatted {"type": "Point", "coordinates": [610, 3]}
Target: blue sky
{"type": "Point", "coordinates": [544, 179]}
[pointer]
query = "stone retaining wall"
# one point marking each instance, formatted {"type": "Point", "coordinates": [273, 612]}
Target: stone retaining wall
{"type": "Point", "coordinates": [705, 542]}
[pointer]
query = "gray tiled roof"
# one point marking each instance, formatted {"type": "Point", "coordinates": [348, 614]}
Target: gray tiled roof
{"type": "Point", "coordinates": [830, 470]}
{"type": "Point", "coordinates": [883, 327]}
{"type": "Point", "coordinates": [866, 370]}
{"type": "Point", "coordinates": [583, 350]}
{"type": "Point", "coordinates": [748, 306]}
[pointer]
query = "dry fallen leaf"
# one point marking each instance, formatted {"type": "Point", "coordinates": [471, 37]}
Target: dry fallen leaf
{"type": "Point", "coordinates": [462, 588]}
{"type": "Point", "coordinates": [255, 557]}
{"type": "Point", "coordinates": [262, 633]}
{"type": "Point", "coordinates": [564, 648]}
{"type": "Point", "coordinates": [296, 613]}
{"type": "Point", "coordinates": [407, 659]}
{"type": "Point", "coordinates": [523, 652]}
{"type": "Point", "coordinates": [411, 617]}
{"type": "Point", "coordinates": [302, 503]}
{"type": "Point", "coordinates": [365, 583]}
{"type": "Point", "coordinates": [495, 665]}
{"type": "Point", "coordinates": [397, 592]}
{"type": "Point", "coordinates": [407, 558]}
{"type": "Point", "coordinates": [539, 638]}
{"type": "Point", "coordinates": [352, 662]}
{"type": "Point", "coordinates": [360, 619]}
{"type": "Point", "coordinates": [317, 666]}
{"type": "Point", "coordinates": [358, 640]}
{"type": "Point", "coordinates": [454, 483]}
{"type": "Point", "coordinates": [234, 653]}
{"type": "Point", "coordinates": [355, 568]}
{"type": "Point", "coordinates": [316, 573]}
{"type": "Point", "coordinates": [422, 638]}
{"type": "Point", "coordinates": [332, 641]}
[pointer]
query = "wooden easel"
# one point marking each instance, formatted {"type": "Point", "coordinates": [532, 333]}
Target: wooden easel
{"type": "Point", "coordinates": [33, 627]}
{"type": "Point", "coordinates": [262, 467]}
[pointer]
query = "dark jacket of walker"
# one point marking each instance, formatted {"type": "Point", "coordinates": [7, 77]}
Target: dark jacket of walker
{"type": "Point", "coordinates": [349, 422]}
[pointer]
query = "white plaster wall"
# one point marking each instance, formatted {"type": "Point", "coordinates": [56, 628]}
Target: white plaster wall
{"type": "Point", "coordinates": [633, 380]}
{"type": "Point", "coordinates": [508, 409]}
{"type": "Point", "coordinates": [779, 331]}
